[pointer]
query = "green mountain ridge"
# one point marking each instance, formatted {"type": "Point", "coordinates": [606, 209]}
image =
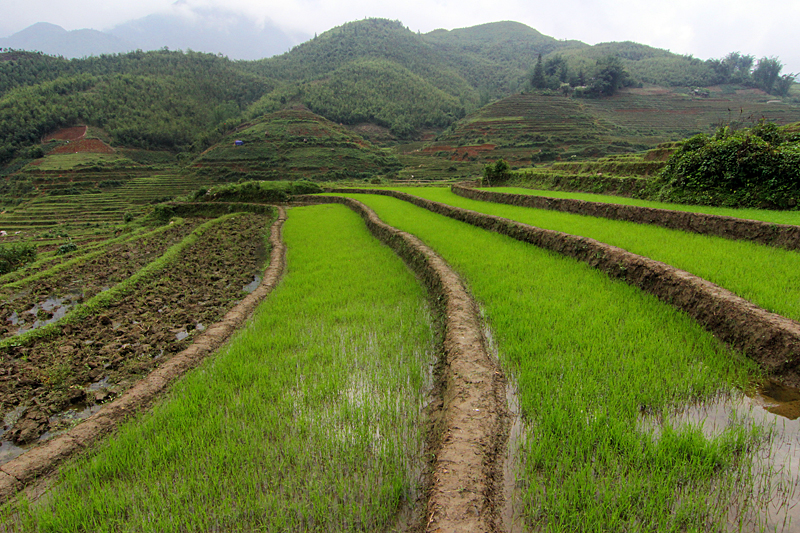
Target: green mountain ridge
{"type": "Point", "coordinates": [372, 71]}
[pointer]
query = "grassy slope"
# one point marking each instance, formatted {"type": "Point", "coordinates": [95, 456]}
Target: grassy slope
{"type": "Point", "coordinates": [769, 277]}
{"type": "Point", "coordinates": [309, 420]}
{"type": "Point", "coordinates": [592, 357]}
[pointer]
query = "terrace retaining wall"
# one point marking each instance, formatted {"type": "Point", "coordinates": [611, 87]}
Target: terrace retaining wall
{"type": "Point", "coordinates": [43, 459]}
{"type": "Point", "coordinates": [781, 235]}
{"type": "Point", "coordinates": [770, 339]}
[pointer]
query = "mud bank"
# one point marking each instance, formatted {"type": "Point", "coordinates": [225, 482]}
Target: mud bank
{"type": "Point", "coordinates": [43, 459]}
{"type": "Point", "coordinates": [466, 488]}
{"type": "Point", "coordinates": [770, 339]}
{"type": "Point", "coordinates": [780, 235]}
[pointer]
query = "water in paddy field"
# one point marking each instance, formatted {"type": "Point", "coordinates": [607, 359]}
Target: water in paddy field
{"type": "Point", "coordinates": [253, 285]}
{"type": "Point", "coordinates": [775, 500]}
{"type": "Point", "coordinates": [49, 310]}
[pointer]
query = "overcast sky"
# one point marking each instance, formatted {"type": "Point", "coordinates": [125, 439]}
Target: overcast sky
{"type": "Point", "coordinates": [703, 28]}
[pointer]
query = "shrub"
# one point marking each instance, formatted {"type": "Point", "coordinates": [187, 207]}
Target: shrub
{"type": "Point", "coordinates": [66, 248]}
{"type": "Point", "coordinates": [755, 167]}
{"type": "Point", "coordinates": [16, 254]}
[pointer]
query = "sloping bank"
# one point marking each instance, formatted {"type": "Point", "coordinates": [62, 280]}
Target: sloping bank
{"type": "Point", "coordinates": [466, 492]}
{"type": "Point", "coordinates": [770, 339]}
{"type": "Point", "coordinates": [40, 461]}
{"type": "Point", "coordinates": [781, 235]}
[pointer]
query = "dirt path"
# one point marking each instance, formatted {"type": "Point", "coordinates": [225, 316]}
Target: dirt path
{"type": "Point", "coordinates": [471, 422]}
{"type": "Point", "coordinates": [770, 339]}
{"type": "Point", "coordinates": [42, 459]}
{"type": "Point", "coordinates": [781, 235]}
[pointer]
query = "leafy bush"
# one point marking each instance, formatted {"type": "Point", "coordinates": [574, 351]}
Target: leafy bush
{"type": "Point", "coordinates": [66, 248]}
{"type": "Point", "coordinates": [756, 167]}
{"type": "Point", "coordinates": [304, 187]}
{"type": "Point", "coordinates": [497, 172]}
{"type": "Point", "coordinates": [16, 254]}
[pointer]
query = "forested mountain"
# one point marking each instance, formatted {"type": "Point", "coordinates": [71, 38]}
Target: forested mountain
{"type": "Point", "coordinates": [371, 71]}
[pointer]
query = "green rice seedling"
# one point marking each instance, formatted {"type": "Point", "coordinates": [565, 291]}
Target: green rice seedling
{"type": "Point", "coordinates": [766, 215]}
{"type": "Point", "coordinates": [309, 420]}
{"type": "Point", "coordinates": [767, 276]}
{"type": "Point", "coordinates": [600, 366]}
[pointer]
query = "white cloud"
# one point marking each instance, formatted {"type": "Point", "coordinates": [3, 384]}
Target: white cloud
{"type": "Point", "coordinates": [704, 28]}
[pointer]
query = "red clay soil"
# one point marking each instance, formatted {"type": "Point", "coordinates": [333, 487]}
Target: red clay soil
{"type": "Point", "coordinates": [471, 421]}
{"type": "Point", "coordinates": [67, 134]}
{"type": "Point", "coordinates": [462, 153]}
{"type": "Point", "coordinates": [781, 235]}
{"type": "Point", "coordinates": [93, 146]}
{"type": "Point", "coordinates": [42, 460]}
{"type": "Point", "coordinates": [770, 339]}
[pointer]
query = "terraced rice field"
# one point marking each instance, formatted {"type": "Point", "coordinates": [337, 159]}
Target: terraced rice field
{"type": "Point", "coordinates": [764, 215]}
{"type": "Point", "coordinates": [335, 408]}
{"type": "Point", "coordinates": [310, 420]}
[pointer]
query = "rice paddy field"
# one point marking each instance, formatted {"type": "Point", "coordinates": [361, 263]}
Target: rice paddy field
{"type": "Point", "coordinates": [765, 215]}
{"type": "Point", "coordinates": [769, 276]}
{"type": "Point", "coordinates": [310, 420]}
{"type": "Point", "coordinates": [320, 414]}
{"type": "Point", "coordinates": [605, 377]}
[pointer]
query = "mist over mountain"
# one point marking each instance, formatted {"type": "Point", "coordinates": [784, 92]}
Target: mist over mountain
{"type": "Point", "coordinates": [209, 30]}
{"type": "Point", "coordinates": [55, 40]}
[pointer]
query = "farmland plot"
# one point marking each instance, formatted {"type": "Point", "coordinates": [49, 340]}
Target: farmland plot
{"type": "Point", "coordinates": [311, 419]}
{"type": "Point", "coordinates": [768, 277]}
{"type": "Point", "coordinates": [765, 215]}
{"type": "Point", "coordinates": [602, 371]}
{"type": "Point", "coordinates": [64, 370]}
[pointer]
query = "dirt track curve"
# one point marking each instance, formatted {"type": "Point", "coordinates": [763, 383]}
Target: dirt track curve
{"type": "Point", "coordinates": [770, 339]}
{"type": "Point", "coordinates": [43, 459]}
{"type": "Point", "coordinates": [780, 235]}
{"type": "Point", "coordinates": [466, 493]}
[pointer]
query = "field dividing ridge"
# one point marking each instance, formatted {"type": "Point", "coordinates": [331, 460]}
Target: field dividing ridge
{"type": "Point", "coordinates": [42, 460]}
{"type": "Point", "coordinates": [467, 480]}
{"type": "Point", "coordinates": [781, 235]}
{"type": "Point", "coordinates": [769, 338]}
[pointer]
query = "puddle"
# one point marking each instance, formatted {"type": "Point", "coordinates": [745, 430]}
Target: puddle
{"type": "Point", "coordinates": [63, 421]}
{"type": "Point", "coordinates": [775, 465]}
{"type": "Point", "coordinates": [46, 312]}
{"type": "Point", "coordinates": [253, 285]}
{"type": "Point", "coordinates": [182, 334]}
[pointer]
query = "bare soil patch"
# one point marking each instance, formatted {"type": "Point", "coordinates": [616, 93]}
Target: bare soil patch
{"type": "Point", "coordinates": [67, 134]}
{"type": "Point", "coordinates": [92, 362]}
{"type": "Point", "coordinates": [93, 146]}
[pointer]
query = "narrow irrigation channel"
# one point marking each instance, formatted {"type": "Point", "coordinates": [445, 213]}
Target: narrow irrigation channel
{"type": "Point", "coordinates": [75, 371]}
{"type": "Point", "coordinates": [781, 235]}
{"type": "Point", "coordinates": [604, 371]}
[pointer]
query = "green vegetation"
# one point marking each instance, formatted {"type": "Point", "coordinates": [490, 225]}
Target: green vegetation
{"type": "Point", "coordinates": [776, 217]}
{"type": "Point", "coordinates": [754, 167]}
{"type": "Point", "coordinates": [293, 144]}
{"type": "Point", "coordinates": [308, 420]}
{"type": "Point", "coordinates": [769, 277]}
{"type": "Point", "coordinates": [16, 254]}
{"type": "Point", "coordinates": [599, 365]}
